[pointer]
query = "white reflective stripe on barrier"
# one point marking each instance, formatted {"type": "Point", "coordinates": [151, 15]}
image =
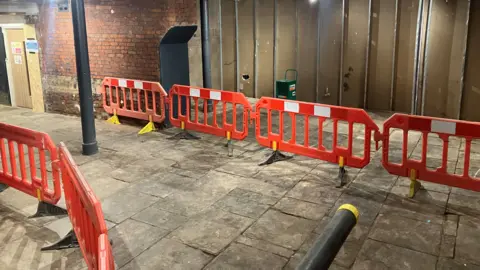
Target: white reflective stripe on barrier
{"type": "Point", "coordinates": [122, 83]}
{"type": "Point", "coordinates": [194, 92]}
{"type": "Point", "coordinates": [322, 111]}
{"type": "Point", "coordinates": [215, 95]}
{"type": "Point", "coordinates": [138, 85]}
{"type": "Point", "coordinates": [443, 127]}
{"type": "Point", "coordinates": [291, 107]}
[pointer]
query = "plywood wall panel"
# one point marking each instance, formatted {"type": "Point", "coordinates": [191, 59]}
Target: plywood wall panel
{"type": "Point", "coordinates": [330, 25]}
{"type": "Point", "coordinates": [213, 19]}
{"type": "Point", "coordinates": [265, 13]}
{"type": "Point", "coordinates": [246, 47]}
{"type": "Point", "coordinates": [471, 95]}
{"type": "Point", "coordinates": [355, 54]}
{"type": "Point", "coordinates": [381, 55]}
{"type": "Point", "coordinates": [286, 43]}
{"type": "Point", "coordinates": [307, 50]}
{"type": "Point", "coordinates": [228, 45]}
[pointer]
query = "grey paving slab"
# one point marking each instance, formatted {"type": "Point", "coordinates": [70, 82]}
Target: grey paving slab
{"type": "Point", "coordinates": [238, 256]}
{"type": "Point", "coordinates": [140, 169]}
{"type": "Point", "coordinates": [211, 231]}
{"type": "Point", "coordinates": [453, 264]}
{"type": "Point", "coordinates": [281, 174]}
{"type": "Point", "coordinates": [131, 237]}
{"type": "Point", "coordinates": [241, 206]}
{"type": "Point", "coordinates": [125, 204]}
{"type": "Point", "coordinates": [464, 204]}
{"type": "Point", "coordinates": [258, 186]}
{"type": "Point", "coordinates": [253, 196]}
{"type": "Point", "coordinates": [163, 184]}
{"type": "Point", "coordinates": [435, 151]}
{"type": "Point", "coordinates": [169, 254]}
{"type": "Point", "coordinates": [281, 229]}
{"type": "Point", "coordinates": [105, 186]}
{"type": "Point", "coordinates": [468, 239]}
{"type": "Point", "coordinates": [425, 201]}
{"type": "Point", "coordinates": [202, 161]}
{"type": "Point", "coordinates": [243, 166]}
{"type": "Point", "coordinates": [160, 218]}
{"type": "Point", "coordinates": [450, 225]}
{"type": "Point", "coordinates": [368, 209]}
{"type": "Point", "coordinates": [265, 246]}
{"type": "Point", "coordinates": [425, 185]}
{"type": "Point", "coordinates": [302, 208]}
{"type": "Point", "coordinates": [404, 232]}
{"type": "Point", "coordinates": [328, 172]}
{"type": "Point", "coordinates": [187, 203]}
{"type": "Point", "coordinates": [314, 192]}
{"type": "Point", "coordinates": [378, 255]}
{"type": "Point", "coordinates": [447, 248]}
{"type": "Point", "coordinates": [406, 213]}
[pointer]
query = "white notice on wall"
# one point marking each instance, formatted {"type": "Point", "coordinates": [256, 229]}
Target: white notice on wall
{"type": "Point", "coordinates": [17, 59]}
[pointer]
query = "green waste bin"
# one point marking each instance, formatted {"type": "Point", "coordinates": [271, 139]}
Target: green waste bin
{"type": "Point", "coordinates": [286, 89]}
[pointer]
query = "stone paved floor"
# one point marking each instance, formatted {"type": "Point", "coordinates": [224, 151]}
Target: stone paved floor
{"type": "Point", "coordinates": [186, 205]}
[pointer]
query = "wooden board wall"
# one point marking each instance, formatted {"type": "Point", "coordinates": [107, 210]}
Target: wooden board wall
{"type": "Point", "coordinates": [355, 53]}
{"type": "Point", "coordinates": [286, 43]}
{"type": "Point", "coordinates": [330, 24]}
{"type": "Point", "coordinates": [246, 44]}
{"type": "Point", "coordinates": [381, 55]}
{"type": "Point", "coordinates": [213, 19]}
{"type": "Point", "coordinates": [265, 18]}
{"type": "Point", "coordinates": [228, 45]}
{"type": "Point", "coordinates": [307, 50]}
{"type": "Point", "coordinates": [437, 63]}
{"type": "Point", "coordinates": [471, 94]}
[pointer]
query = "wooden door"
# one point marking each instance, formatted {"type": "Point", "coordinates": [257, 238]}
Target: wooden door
{"type": "Point", "coordinates": [4, 90]}
{"type": "Point", "coordinates": [18, 67]}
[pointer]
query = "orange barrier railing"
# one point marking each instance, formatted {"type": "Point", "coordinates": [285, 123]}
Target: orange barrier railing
{"type": "Point", "coordinates": [318, 112]}
{"type": "Point", "coordinates": [224, 121]}
{"type": "Point", "coordinates": [86, 214]}
{"type": "Point", "coordinates": [141, 100]}
{"type": "Point", "coordinates": [417, 169]}
{"type": "Point", "coordinates": [25, 155]}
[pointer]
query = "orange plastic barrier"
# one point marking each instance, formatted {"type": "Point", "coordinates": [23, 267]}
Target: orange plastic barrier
{"type": "Point", "coordinates": [218, 127]}
{"type": "Point", "coordinates": [19, 169]}
{"type": "Point", "coordinates": [318, 112]}
{"type": "Point", "coordinates": [86, 214]}
{"type": "Point", "coordinates": [135, 99]}
{"type": "Point", "coordinates": [417, 169]}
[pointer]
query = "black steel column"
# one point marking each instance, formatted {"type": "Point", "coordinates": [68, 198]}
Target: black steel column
{"type": "Point", "coordinates": [206, 61]}
{"type": "Point", "coordinates": [89, 146]}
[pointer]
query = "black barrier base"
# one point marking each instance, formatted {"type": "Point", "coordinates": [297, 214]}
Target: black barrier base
{"type": "Point", "coordinates": [45, 209]}
{"type": "Point", "coordinates": [342, 176]}
{"type": "Point", "coordinates": [3, 187]}
{"type": "Point", "coordinates": [184, 135]}
{"type": "Point", "coordinates": [69, 241]}
{"type": "Point", "coordinates": [275, 157]}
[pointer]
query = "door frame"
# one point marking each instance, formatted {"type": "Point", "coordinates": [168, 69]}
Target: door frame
{"type": "Point", "coordinates": [9, 68]}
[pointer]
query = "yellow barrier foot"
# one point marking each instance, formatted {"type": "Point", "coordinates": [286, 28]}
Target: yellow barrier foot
{"type": "Point", "coordinates": [69, 241]}
{"type": "Point", "coordinates": [414, 187]}
{"type": "Point", "coordinates": [148, 128]}
{"type": "Point", "coordinates": [114, 120]}
{"type": "Point", "coordinates": [342, 176]}
{"type": "Point", "coordinates": [45, 210]}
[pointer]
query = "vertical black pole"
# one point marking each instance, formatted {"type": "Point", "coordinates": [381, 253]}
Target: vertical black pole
{"type": "Point", "coordinates": [89, 146]}
{"type": "Point", "coordinates": [206, 61]}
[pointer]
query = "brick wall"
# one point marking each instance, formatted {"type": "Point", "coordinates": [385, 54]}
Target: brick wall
{"type": "Point", "coordinates": [123, 39]}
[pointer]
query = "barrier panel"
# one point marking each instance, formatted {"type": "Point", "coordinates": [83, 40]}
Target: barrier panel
{"type": "Point", "coordinates": [141, 100]}
{"type": "Point", "coordinates": [219, 125]}
{"type": "Point", "coordinates": [319, 112]}
{"type": "Point", "coordinates": [85, 214]}
{"type": "Point", "coordinates": [24, 155]}
{"type": "Point", "coordinates": [417, 169]}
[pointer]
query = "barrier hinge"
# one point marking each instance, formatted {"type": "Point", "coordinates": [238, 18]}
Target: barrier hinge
{"type": "Point", "coordinates": [378, 137]}
{"type": "Point", "coordinates": [253, 116]}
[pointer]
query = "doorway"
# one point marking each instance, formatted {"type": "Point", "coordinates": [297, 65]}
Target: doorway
{"type": "Point", "coordinates": [4, 89]}
{"type": "Point", "coordinates": [16, 61]}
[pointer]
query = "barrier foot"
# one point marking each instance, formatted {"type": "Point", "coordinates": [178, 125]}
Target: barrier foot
{"type": "Point", "coordinates": [342, 176]}
{"type": "Point", "coordinates": [414, 187]}
{"type": "Point", "coordinates": [148, 128]}
{"type": "Point", "coordinates": [275, 157]}
{"type": "Point", "coordinates": [45, 209]}
{"type": "Point", "coordinates": [184, 135]}
{"type": "Point", "coordinates": [69, 241]}
{"type": "Point", "coordinates": [3, 187]}
{"type": "Point", "coordinates": [114, 120]}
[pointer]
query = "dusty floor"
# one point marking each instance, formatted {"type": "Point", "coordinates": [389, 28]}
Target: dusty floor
{"type": "Point", "coordinates": [186, 205]}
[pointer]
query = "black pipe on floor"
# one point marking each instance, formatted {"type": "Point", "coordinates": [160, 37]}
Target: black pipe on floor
{"type": "Point", "coordinates": [326, 247]}
{"type": "Point", "coordinates": [89, 145]}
